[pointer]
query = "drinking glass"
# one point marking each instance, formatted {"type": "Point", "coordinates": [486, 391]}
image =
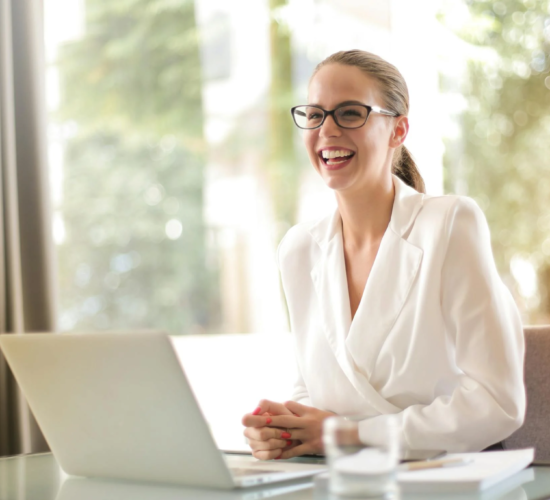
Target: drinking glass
{"type": "Point", "coordinates": [362, 465]}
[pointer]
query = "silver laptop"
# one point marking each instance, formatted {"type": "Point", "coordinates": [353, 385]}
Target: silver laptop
{"type": "Point", "coordinates": [82, 488]}
{"type": "Point", "coordinates": [118, 405]}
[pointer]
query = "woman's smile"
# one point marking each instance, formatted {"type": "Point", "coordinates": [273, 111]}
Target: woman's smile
{"type": "Point", "coordinates": [335, 157]}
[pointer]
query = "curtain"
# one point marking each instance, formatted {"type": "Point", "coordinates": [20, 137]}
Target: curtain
{"type": "Point", "coordinates": [27, 271]}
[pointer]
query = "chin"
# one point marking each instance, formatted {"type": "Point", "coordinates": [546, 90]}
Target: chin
{"type": "Point", "coordinates": [335, 183]}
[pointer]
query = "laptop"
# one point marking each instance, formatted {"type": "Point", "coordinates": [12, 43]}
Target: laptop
{"type": "Point", "coordinates": [81, 488]}
{"type": "Point", "coordinates": [118, 405]}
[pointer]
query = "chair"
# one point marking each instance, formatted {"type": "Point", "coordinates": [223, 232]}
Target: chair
{"type": "Point", "coordinates": [535, 431]}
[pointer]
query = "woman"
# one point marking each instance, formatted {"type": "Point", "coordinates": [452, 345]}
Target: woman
{"type": "Point", "coordinates": [394, 300]}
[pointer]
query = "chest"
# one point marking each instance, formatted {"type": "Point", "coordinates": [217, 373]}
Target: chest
{"type": "Point", "coordinates": [358, 269]}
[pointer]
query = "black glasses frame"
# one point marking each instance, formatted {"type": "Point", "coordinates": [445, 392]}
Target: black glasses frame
{"type": "Point", "coordinates": [326, 112]}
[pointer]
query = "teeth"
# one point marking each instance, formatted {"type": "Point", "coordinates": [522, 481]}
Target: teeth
{"type": "Point", "coordinates": [334, 153]}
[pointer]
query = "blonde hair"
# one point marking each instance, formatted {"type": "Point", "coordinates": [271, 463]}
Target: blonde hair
{"type": "Point", "coordinates": [396, 98]}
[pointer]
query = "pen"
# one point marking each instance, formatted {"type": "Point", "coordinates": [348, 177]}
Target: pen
{"type": "Point", "coordinates": [435, 464]}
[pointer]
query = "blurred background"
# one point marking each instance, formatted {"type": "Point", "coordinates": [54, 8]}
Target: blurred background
{"type": "Point", "coordinates": [175, 168]}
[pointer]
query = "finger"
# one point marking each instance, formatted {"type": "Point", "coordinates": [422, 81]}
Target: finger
{"type": "Point", "coordinates": [267, 454]}
{"type": "Point", "coordinates": [297, 408]}
{"type": "Point", "coordinates": [270, 444]}
{"type": "Point", "coordinates": [296, 451]}
{"type": "Point", "coordinates": [296, 434]}
{"type": "Point", "coordinates": [250, 420]}
{"type": "Point", "coordinates": [288, 422]}
{"type": "Point", "coordinates": [271, 407]}
{"type": "Point", "coordinates": [265, 433]}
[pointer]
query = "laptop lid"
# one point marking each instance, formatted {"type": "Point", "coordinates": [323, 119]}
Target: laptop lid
{"type": "Point", "coordinates": [116, 405]}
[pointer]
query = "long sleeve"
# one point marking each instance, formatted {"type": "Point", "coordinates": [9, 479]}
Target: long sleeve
{"type": "Point", "coordinates": [483, 328]}
{"type": "Point", "coordinates": [300, 393]}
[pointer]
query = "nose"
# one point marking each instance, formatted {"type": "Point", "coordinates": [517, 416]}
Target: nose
{"type": "Point", "coordinates": [329, 128]}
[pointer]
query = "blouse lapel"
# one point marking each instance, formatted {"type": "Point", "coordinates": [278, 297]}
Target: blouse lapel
{"type": "Point", "coordinates": [389, 283]}
{"type": "Point", "coordinates": [329, 279]}
{"type": "Point", "coordinates": [356, 344]}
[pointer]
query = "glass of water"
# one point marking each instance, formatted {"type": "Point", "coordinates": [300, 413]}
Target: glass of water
{"type": "Point", "coordinates": [359, 465]}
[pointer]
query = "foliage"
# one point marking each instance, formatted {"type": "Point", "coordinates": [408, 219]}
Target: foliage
{"type": "Point", "coordinates": [283, 166]}
{"type": "Point", "coordinates": [503, 154]}
{"type": "Point", "coordinates": [135, 252]}
{"type": "Point", "coordinates": [137, 69]}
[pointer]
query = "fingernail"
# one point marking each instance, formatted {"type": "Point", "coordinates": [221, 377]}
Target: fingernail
{"type": "Point", "coordinates": [268, 421]}
{"type": "Point", "coordinates": [288, 442]}
{"type": "Point", "coordinates": [285, 435]}
{"type": "Point", "coordinates": [279, 457]}
{"type": "Point", "coordinates": [257, 411]}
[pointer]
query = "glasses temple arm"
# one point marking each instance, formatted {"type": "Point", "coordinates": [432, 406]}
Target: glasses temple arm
{"type": "Point", "coordinates": [383, 111]}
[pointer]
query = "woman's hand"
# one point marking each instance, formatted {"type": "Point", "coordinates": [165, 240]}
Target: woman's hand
{"type": "Point", "coordinates": [304, 426]}
{"type": "Point", "coordinates": [285, 431]}
{"type": "Point", "coordinates": [266, 442]}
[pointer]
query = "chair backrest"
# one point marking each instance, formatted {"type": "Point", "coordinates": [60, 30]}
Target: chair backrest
{"type": "Point", "coordinates": [535, 431]}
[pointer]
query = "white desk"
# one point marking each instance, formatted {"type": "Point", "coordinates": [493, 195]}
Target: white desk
{"type": "Point", "coordinates": [38, 477]}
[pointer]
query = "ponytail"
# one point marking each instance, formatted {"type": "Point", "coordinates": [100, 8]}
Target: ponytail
{"type": "Point", "coordinates": [405, 168]}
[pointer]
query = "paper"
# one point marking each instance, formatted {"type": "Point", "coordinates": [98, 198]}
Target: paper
{"type": "Point", "coordinates": [485, 470]}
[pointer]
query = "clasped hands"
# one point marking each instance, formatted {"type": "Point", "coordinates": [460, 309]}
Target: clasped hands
{"type": "Point", "coordinates": [284, 430]}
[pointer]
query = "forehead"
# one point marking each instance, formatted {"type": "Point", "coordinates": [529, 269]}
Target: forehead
{"type": "Point", "coordinates": [337, 83]}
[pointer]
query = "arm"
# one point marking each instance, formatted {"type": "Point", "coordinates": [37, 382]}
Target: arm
{"type": "Point", "coordinates": [483, 325]}
{"type": "Point", "coordinates": [266, 439]}
{"type": "Point", "coordinates": [300, 393]}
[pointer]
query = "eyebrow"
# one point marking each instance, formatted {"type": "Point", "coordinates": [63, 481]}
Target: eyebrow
{"type": "Point", "coordinates": [345, 103]}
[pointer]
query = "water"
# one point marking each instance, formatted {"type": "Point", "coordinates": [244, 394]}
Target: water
{"type": "Point", "coordinates": [368, 473]}
{"type": "Point", "coordinates": [362, 466]}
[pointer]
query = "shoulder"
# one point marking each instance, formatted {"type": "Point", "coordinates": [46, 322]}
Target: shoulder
{"type": "Point", "coordinates": [446, 203]}
{"type": "Point", "coordinates": [451, 212]}
{"type": "Point", "coordinates": [302, 240]}
{"type": "Point", "coordinates": [297, 237]}
{"type": "Point", "coordinates": [448, 223]}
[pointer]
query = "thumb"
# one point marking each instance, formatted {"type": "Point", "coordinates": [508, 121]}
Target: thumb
{"type": "Point", "coordinates": [297, 408]}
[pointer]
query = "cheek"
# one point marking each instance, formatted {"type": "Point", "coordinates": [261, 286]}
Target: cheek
{"type": "Point", "coordinates": [310, 150]}
{"type": "Point", "coordinates": [310, 139]}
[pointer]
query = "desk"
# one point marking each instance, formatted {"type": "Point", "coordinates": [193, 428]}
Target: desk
{"type": "Point", "coordinates": [39, 477]}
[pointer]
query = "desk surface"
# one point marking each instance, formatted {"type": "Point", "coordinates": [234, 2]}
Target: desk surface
{"type": "Point", "coordinates": [39, 477]}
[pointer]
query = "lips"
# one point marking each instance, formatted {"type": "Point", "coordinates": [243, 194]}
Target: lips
{"type": "Point", "coordinates": [335, 157]}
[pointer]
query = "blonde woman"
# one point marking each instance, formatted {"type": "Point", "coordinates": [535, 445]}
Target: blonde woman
{"type": "Point", "coordinates": [395, 302]}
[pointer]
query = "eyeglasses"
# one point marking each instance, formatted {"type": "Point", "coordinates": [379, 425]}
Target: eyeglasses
{"type": "Point", "coordinates": [345, 116]}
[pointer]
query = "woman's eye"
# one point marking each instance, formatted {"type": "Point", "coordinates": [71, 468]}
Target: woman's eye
{"type": "Point", "coordinates": [350, 112]}
{"type": "Point", "coordinates": [314, 116]}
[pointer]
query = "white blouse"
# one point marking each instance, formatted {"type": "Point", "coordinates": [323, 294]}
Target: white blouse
{"type": "Point", "coordinates": [436, 339]}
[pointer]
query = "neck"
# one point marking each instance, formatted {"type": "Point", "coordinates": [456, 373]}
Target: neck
{"type": "Point", "coordinates": [366, 214]}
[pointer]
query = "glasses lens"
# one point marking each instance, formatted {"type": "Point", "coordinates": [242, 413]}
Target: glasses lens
{"type": "Point", "coordinates": [351, 116]}
{"type": "Point", "coordinates": [308, 116]}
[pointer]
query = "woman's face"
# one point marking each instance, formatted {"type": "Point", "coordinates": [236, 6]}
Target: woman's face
{"type": "Point", "coordinates": [371, 146]}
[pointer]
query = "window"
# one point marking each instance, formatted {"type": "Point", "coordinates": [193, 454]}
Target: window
{"type": "Point", "coordinates": [176, 168]}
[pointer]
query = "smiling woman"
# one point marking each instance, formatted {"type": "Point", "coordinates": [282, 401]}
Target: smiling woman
{"type": "Point", "coordinates": [394, 300]}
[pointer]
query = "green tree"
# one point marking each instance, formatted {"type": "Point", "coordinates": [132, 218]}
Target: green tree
{"type": "Point", "coordinates": [503, 154]}
{"type": "Point", "coordinates": [135, 252]}
{"type": "Point", "coordinates": [283, 166]}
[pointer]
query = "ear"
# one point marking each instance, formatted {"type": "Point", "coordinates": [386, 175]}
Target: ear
{"type": "Point", "coordinates": [400, 131]}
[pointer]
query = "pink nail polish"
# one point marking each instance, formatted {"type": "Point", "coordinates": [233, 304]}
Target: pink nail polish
{"type": "Point", "coordinates": [268, 421]}
{"type": "Point", "coordinates": [288, 442]}
{"type": "Point", "coordinates": [257, 411]}
{"type": "Point", "coordinates": [279, 457]}
{"type": "Point", "coordinates": [285, 435]}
